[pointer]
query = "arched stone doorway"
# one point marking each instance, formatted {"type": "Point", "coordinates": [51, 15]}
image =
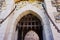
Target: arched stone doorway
{"type": "Point", "coordinates": [27, 23]}
{"type": "Point", "coordinates": [47, 33]}
{"type": "Point", "coordinates": [38, 12]}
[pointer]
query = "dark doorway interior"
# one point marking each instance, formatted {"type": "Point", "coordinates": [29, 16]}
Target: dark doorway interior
{"type": "Point", "coordinates": [27, 23]}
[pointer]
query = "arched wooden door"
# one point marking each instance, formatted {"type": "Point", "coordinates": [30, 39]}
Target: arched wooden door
{"type": "Point", "coordinates": [27, 23]}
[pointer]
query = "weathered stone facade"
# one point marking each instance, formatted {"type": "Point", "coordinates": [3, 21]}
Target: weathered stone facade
{"type": "Point", "coordinates": [12, 13]}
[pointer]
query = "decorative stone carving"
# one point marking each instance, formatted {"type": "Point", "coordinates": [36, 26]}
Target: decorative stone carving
{"type": "Point", "coordinates": [31, 36]}
{"type": "Point", "coordinates": [57, 17]}
{"type": "Point", "coordinates": [58, 8]}
{"type": "Point", "coordinates": [2, 5]}
{"type": "Point", "coordinates": [1, 2]}
{"type": "Point", "coordinates": [24, 3]}
{"type": "Point", "coordinates": [56, 3]}
{"type": "Point", "coordinates": [53, 3]}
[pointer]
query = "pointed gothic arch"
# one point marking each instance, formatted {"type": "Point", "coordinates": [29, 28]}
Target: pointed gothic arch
{"type": "Point", "coordinates": [47, 33]}
{"type": "Point", "coordinates": [29, 22]}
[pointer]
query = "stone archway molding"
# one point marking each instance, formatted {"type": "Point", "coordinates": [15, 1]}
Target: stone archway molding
{"type": "Point", "coordinates": [47, 32]}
